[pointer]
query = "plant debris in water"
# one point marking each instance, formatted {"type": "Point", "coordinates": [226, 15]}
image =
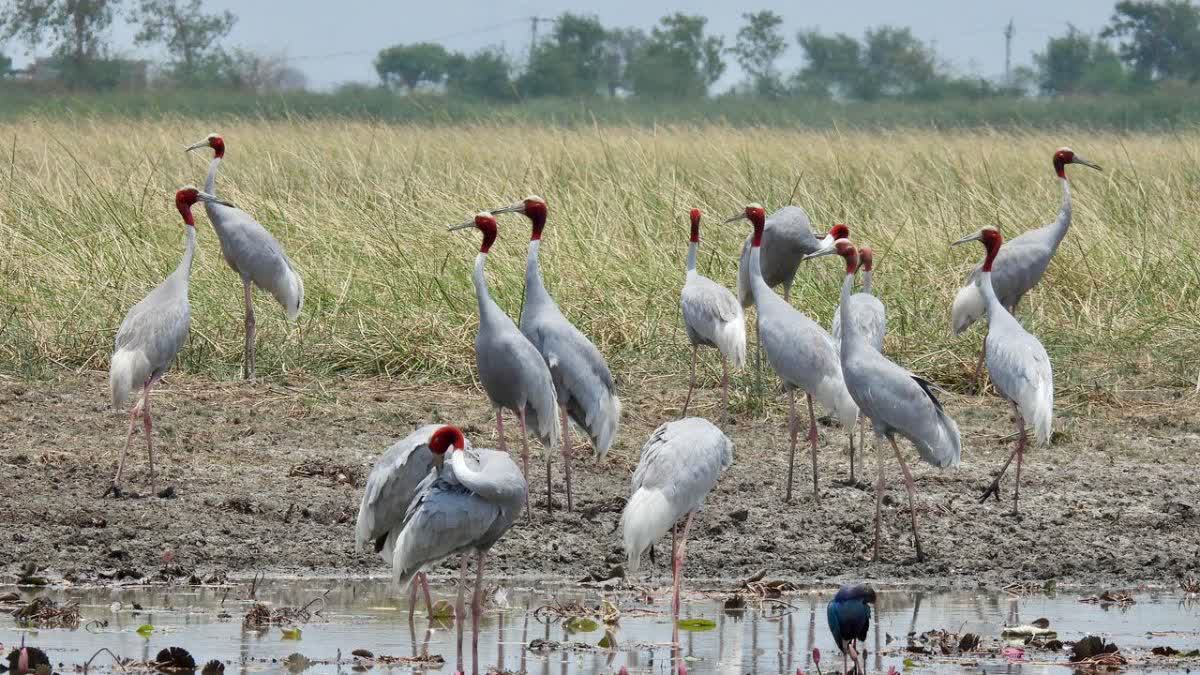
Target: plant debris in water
{"type": "Point", "coordinates": [46, 613]}
{"type": "Point", "coordinates": [261, 616]}
{"type": "Point", "coordinates": [1111, 597]}
{"type": "Point", "coordinates": [430, 661]}
{"type": "Point", "coordinates": [1094, 651]}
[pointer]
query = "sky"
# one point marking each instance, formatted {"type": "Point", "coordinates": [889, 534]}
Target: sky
{"type": "Point", "coordinates": [335, 42]}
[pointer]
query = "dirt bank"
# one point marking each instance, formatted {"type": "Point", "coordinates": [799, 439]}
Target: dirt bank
{"type": "Point", "coordinates": [268, 477]}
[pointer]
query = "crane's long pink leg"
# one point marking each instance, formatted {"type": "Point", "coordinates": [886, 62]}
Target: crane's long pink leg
{"type": "Point", "coordinates": [424, 578]}
{"type": "Point", "coordinates": [878, 498]}
{"type": "Point", "coordinates": [248, 358]}
{"type": "Point", "coordinates": [460, 612]}
{"type": "Point", "coordinates": [812, 440]}
{"type": "Point", "coordinates": [691, 383]}
{"type": "Point", "coordinates": [566, 453]}
{"type": "Point", "coordinates": [994, 488]}
{"type": "Point", "coordinates": [678, 555]}
{"type": "Point", "coordinates": [725, 388]}
{"type": "Point", "coordinates": [852, 481]}
{"type": "Point", "coordinates": [912, 499]}
{"type": "Point", "coordinates": [525, 456]}
{"type": "Point", "coordinates": [412, 601]}
{"type": "Point", "coordinates": [148, 425]}
{"type": "Point", "coordinates": [500, 438]}
{"type": "Point", "coordinates": [133, 417]}
{"type": "Point", "coordinates": [1020, 455]}
{"type": "Point", "coordinates": [476, 610]}
{"type": "Point", "coordinates": [792, 431]}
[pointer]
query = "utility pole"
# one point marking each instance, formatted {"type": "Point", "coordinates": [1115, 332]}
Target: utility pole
{"type": "Point", "coordinates": [1009, 31]}
{"type": "Point", "coordinates": [533, 26]}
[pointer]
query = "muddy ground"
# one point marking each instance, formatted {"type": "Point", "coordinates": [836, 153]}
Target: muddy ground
{"type": "Point", "coordinates": [268, 478]}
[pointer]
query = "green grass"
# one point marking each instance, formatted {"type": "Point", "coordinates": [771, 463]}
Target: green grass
{"type": "Point", "coordinates": [87, 227]}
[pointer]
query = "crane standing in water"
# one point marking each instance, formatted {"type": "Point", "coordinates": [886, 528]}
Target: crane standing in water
{"type": "Point", "coordinates": [1017, 363]}
{"type": "Point", "coordinates": [510, 368]}
{"type": "Point", "coordinates": [713, 317]}
{"type": "Point", "coordinates": [252, 252]}
{"type": "Point", "coordinates": [587, 394]}
{"type": "Point", "coordinates": [1021, 263]}
{"type": "Point", "coordinates": [151, 335]}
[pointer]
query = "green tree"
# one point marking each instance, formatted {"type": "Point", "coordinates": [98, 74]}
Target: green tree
{"type": "Point", "coordinates": [1158, 39]}
{"type": "Point", "coordinates": [895, 63]}
{"type": "Point", "coordinates": [570, 62]}
{"type": "Point", "coordinates": [409, 65]}
{"type": "Point", "coordinates": [188, 34]}
{"type": "Point", "coordinates": [678, 61]}
{"type": "Point", "coordinates": [833, 65]}
{"type": "Point", "coordinates": [74, 29]}
{"type": "Point", "coordinates": [621, 45]}
{"type": "Point", "coordinates": [1078, 63]}
{"type": "Point", "coordinates": [758, 47]}
{"type": "Point", "coordinates": [5, 65]}
{"type": "Point", "coordinates": [486, 74]}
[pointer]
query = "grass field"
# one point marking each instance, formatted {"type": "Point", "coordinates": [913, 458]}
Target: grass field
{"type": "Point", "coordinates": [87, 227]}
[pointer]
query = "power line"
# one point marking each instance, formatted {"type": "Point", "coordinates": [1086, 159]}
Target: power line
{"type": "Point", "coordinates": [1009, 31]}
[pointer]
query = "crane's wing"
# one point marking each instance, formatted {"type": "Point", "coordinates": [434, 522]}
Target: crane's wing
{"type": "Point", "coordinates": [705, 302]}
{"type": "Point", "coordinates": [1019, 367]}
{"type": "Point", "coordinates": [685, 456]}
{"type": "Point", "coordinates": [445, 518]}
{"type": "Point", "coordinates": [391, 486]}
{"type": "Point", "coordinates": [158, 325]}
{"type": "Point", "coordinates": [582, 379]}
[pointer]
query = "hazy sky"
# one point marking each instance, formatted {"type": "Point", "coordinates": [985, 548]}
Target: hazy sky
{"type": "Point", "coordinates": [336, 41]}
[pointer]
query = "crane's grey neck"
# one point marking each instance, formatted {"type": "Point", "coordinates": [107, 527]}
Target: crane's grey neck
{"type": "Point", "coordinates": [758, 286]}
{"type": "Point", "coordinates": [184, 269]}
{"type": "Point", "coordinates": [867, 281]}
{"type": "Point", "coordinates": [989, 293]}
{"type": "Point", "coordinates": [693, 249]}
{"type": "Point", "coordinates": [210, 181]}
{"type": "Point", "coordinates": [535, 289]}
{"type": "Point", "coordinates": [488, 309]}
{"type": "Point", "coordinates": [494, 489]}
{"type": "Point", "coordinates": [850, 333]}
{"type": "Point", "coordinates": [1064, 213]}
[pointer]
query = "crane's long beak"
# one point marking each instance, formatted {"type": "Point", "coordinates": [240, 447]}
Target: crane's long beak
{"type": "Point", "coordinates": [452, 228]}
{"type": "Point", "coordinates": [515, 208]}
{"type": "Point", "coordinates": [197, 145]}
{"type": "Point", "coordinates": [1080, 160]}
{"type": "Point", "coordinates": [212, 199]}
{"type": "Point", "coordinates": [977, 236]}
{"type": "Point", "coordinates": [827, 248]}
{"type": "Point", "coordinates": [734, 219]}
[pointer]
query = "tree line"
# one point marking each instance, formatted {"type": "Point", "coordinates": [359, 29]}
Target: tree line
{"type": "Point", "coordinates": [1145, 43]}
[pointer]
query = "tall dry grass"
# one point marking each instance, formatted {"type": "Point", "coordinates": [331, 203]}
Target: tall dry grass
{"type": "Point", "coordinates": [87, 227]}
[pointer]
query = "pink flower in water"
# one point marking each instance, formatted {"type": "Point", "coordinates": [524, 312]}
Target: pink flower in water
{"type": "Point", "coordinates": [23, 661]}
{"type": "Point", "coordinates": [683, 668]}
{"type": "Point", "coordinates": [816, 656]}
{"type": "Point", "coordinates": [1013, 653]}
{"type": "Point", "coordinates": [799, 672]}
{"type": "Point", "coordinates": [892, 671]}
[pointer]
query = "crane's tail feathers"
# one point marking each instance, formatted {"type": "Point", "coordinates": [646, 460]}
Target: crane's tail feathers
{"type": "Point", "coordinates": [292, 297]}
{"type": "Point", "coordinates": [1043, 417]}
{"type": "Point", "coordinates": [608, 424]}
{"type": "Point", "coordinates": [404, 567]}
{"type": "Point", "coordinates": [731, 339]}
{"type": "Point", "coordinates": [646, 518]}
{"type": "Point", "coordinates": [363, 527]}
{"type": "Point", "coordinates": [968, 307]}
{"type": "Point", "coordinates": [126, 370]}
{"type": "Point", "coordinates": [944, 450]}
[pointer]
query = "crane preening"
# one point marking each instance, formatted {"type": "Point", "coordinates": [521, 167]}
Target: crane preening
{"type": "Point", "coordinates": [512, 372]}
{"type": "Point", "coordinates": [894, 399]}
{"type": "Point", "coordinates": [252, 252]}
{"type": "Point", "coordinates": [1021, 263]}
{"type": "Point", "coordinates": [152, 334]}
{"type": "Point", "coordinates": [1017, 364]}
{"type": "Point", "coordinates": [712, 317]}
{"type": "Point", "coordinates": [587, 394]}
{"type": "Point", "coordinates": [800, 352]}
{"type": "Point", "coordinates": [464, 506]}
{"type": "Point", "coordinates": [679, 466]}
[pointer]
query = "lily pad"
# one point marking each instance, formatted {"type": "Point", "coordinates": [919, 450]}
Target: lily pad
{"type": "Point", "coordinates": [697, 625]}
{"type": "Point", "coordinates": [291, 633]}
{"type": "Point", "coordinates": [580, 624]}
{"type": "Point", "coordinates": [442, 610]}
{"type": "Point", "coordinates": [145, 630]}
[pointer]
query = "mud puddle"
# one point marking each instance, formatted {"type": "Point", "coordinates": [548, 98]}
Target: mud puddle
{"type": "Point", "coordinates": [551, 628]}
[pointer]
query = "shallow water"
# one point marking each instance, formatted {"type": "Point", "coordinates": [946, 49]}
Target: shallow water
{"type": "Point", "coordinates": [771, 637]}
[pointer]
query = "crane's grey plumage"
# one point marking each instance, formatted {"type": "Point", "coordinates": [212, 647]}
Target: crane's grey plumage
{"type": "Point", "coordinates": [587, 394]}
{"type": "Point", "coordinates": [712, 317]}
{"type": "Point", "coordinates": [465, 508]}
{"type": "Point", "coordinates": [679, 466]}
{"type": "Point", "coordinates": [252, 252]}
{"type": "Point", "coordinates": [1017, 362]}
{"type": "Point", "coordinates": [512, 372]}
{"type": "Point", "coordinates": [152, 333]}
{"type": "Point", "coordinates": [800, 352]}
{"type": "Point", "coordinates": [787, 238]}
{"type": "Point", "coordinates": [894, 399]}
{"type": "Point", "coordinates": [391, 487]}
{"type": "Point", "coordinates": [1022, 262]}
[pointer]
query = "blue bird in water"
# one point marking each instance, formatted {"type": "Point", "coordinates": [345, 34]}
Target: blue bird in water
{"type": "Point", "coordinates": [849, 617]}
